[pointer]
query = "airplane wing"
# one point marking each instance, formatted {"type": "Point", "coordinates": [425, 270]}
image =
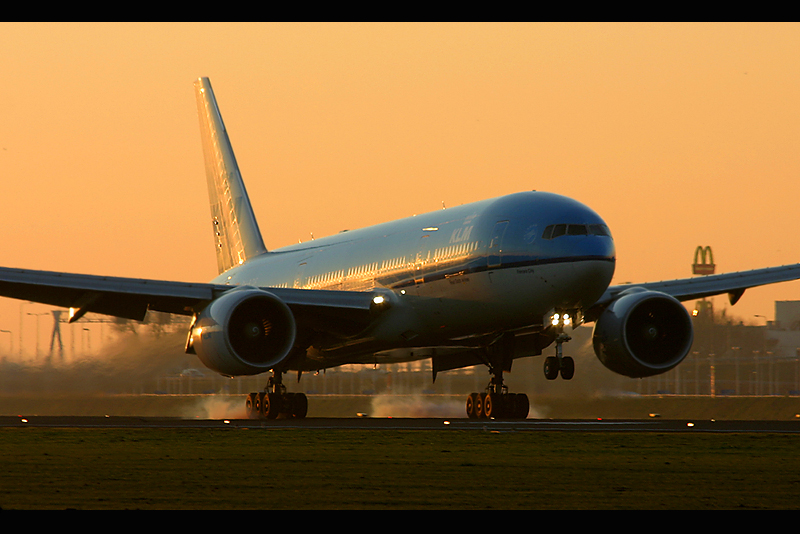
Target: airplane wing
{"type": "Point", "coordinates": [734, 284]}
{"type": "Point", "coordinates": [333, 311]}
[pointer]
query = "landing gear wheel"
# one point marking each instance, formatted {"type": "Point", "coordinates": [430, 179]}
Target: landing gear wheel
{"type": "Point", "coordinates": [479, 413]}
{"type": "Point", "coordinates": [491, 406]}
{"type": "Point", "coordinates": [271, 405]}
{"type": "Point", "coordinates": [251, 406]}
{"type": "Point", "coordinates": [567, 368]}
{"type": "Point", "coordinates": [551, 368]}
{"type": "Point", "coordinates": [297, 405]}
{"type": "Point", "coordinates": [472, 400]}
{"type": "Point", "coordinates": [521, 406]}
{"type": "Point", "coordinates": [494, 405]}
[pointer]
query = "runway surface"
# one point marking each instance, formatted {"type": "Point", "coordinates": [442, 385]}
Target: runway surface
{"type": "Point", "coordinates": [370, 423]}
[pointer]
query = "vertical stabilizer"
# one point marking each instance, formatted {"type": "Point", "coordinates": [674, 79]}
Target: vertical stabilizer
{"type": "Point", "coordinates": [236, 234]}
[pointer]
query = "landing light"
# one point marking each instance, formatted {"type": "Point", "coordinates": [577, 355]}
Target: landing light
{"type": "Point", "coordinates": [558, 319]}
{"type": "Point", "coordinates": [378, 300]}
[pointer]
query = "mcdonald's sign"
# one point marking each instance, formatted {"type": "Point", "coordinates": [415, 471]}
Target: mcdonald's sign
{"type": "Point", "coordinates": [706, 263]}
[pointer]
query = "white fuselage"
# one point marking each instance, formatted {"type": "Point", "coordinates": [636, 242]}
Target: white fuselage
{"type": "Point", "coordinates": [467, 271]}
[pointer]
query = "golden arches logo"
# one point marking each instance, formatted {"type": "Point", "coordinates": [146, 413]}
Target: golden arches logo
{"type": "Point", "coordinates": [706, 266]}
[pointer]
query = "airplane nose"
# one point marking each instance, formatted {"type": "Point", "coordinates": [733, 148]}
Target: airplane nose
{"type": "Point", "coordinates": [590, 280]}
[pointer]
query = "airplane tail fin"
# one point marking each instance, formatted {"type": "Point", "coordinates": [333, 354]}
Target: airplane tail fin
{"type": "Point", "coordinates": [236, 234]}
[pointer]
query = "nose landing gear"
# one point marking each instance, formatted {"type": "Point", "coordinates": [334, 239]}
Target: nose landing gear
{"type": "Point", "coordinates": [553, 365]}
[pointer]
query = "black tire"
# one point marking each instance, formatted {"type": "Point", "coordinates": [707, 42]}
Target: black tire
{"type": "Point", "coordinates": [521, 406]}
{"type": "Point", "coordinates": [512, 405]}
{"type": "Point", "coordinates": [287, 401]}
{"type": "Point", "coordinates": [493, 406]}
{"type": "Point", "coordinates": [489, 409]}
{"type": "Point", "coordinates": [471, 400]}
{"type": "Point", "coordinates": [479, 406]}
{"type": "Point", "coordinates": [551, 368]}
{"type": "Point", "coordinates": [299, 406]}
{"type": "Point", "coordinates": [250, 406]}
{"type": "Point", "coordinates": [567, 368]}
{"type": "Point", "coordinates": [259, 404]}
{"type": "Point", "coordinates": [271, 405]}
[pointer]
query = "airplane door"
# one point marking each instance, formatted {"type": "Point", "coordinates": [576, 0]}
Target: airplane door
{"type": "Point", "coordinates": [495, 253]}
{"type": "Point", "coordinates": [300, 271]}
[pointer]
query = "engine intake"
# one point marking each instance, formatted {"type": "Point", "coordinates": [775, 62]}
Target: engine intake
{"type": "Point", "coordinates": [643, 333]}
{"type": "Point", "coordinates": [246, 331]}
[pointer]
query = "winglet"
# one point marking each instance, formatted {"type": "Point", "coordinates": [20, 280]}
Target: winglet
{"type": "Point", "coordinates": [236, 234]}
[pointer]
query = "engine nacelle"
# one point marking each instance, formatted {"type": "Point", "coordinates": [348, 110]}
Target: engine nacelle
{"type": "Point", "coordinates": [246, 331]}
{"type": "Point", "coordinates": [643, 333]}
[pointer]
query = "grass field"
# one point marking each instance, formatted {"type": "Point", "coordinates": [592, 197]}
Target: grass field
{"type": "Point", "coordinates": [352, 469]}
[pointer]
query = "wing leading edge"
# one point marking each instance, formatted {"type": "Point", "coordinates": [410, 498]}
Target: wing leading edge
{"type": "Point", "coordinates": [131, 298]}
{"type": "Point", "coordinates": [734, 284]}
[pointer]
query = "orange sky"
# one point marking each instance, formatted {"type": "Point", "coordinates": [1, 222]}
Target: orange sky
{"type": "Point", "coordinates": [677, 134]}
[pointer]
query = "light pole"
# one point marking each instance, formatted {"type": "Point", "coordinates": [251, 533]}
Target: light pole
{"type": "Point", "coordinates": [10, 340]}
{"type": "Point", "coordinates": [21, 315]}
{"type": "Point", "coordinates": [86, 336]}
{"type": "Point", "coordinates": [735, 351]}
{"type": "Point", "coordinates": [37, 315]}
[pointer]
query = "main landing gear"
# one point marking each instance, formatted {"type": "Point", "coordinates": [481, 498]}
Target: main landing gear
{"type": "Point", "coordinates": [275, 402]}
{"type": "Point", "coordinates": [493, 405]}
{"type": "Point", "coordinates": [496, 402]}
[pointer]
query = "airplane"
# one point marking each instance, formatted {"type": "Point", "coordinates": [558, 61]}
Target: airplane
{"type": "Point", "coordinates": [484, 283]}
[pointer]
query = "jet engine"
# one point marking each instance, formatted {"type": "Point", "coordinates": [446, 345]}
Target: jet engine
{"type": "Point", "coordinates": [643, 333]}
{"type": "Point", "coordinates": [246, 331]}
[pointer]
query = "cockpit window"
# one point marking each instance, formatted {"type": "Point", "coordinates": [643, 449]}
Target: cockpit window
{"type": "Point", "coordinates": [576, 229]}
{"type": "Point", "coordinates": [557, 230]}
